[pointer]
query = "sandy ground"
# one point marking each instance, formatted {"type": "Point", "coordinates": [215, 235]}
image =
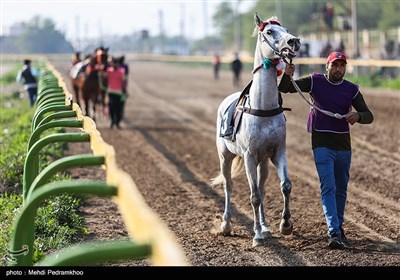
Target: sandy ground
{"type": "Point", "coordinates": [167, 145]}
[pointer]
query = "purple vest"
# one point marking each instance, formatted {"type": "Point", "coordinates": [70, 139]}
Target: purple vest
{"type": "Point", "coordinates": [336, 98]}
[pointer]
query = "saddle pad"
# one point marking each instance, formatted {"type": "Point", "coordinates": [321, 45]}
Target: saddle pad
{"type": "Point", "coordinates": [229, 126]}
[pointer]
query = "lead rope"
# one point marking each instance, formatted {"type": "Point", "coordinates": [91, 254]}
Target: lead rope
{"type": "Point", "coordinates": [328, 113]}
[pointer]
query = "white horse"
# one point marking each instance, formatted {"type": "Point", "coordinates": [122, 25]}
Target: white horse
{"type": "Point", "coordinates": [262, 131]}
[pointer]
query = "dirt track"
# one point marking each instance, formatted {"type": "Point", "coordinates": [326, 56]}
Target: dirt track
{"type": "Point", "coordinates": [167, 145]}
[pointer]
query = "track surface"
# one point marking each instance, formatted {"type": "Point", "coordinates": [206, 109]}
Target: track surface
{"type": "Point", "coordinates": [167, 145]}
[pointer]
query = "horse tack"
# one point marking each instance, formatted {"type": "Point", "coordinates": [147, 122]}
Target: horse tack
{"type": "Point", "coordinates": [260, 133]}
{"type": "Point", "coordinates": [240, 108]}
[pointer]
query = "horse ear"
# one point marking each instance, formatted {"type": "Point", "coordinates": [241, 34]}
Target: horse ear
{"type": "Point", "coordinates": [258, 21]}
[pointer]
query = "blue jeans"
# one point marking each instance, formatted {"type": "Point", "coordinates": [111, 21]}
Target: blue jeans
{"type": "Point", "coordinates": [32, 92]}
{"type": "Point", "coordinates": [333, 167]}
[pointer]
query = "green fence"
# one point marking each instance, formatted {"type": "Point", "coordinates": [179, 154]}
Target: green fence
{"type": "Point", "coordinates": [149, 237]}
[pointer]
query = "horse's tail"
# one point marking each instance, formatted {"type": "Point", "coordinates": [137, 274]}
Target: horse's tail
{"type": "Point", "coordinates": [236, 169]}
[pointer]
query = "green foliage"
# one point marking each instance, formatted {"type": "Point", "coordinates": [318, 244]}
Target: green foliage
{"type": "Point", "coordinates": [39, 36]}
{"type": "Point", "coordinates": [9, 205]}
{"type": "Point", "coordinates": [14, 134]}
{"type": "Point", "coordinates": [58, 222]}
{"type": "Point", "coordinates": [374, 80]}
{"type": "Point", "coordinates": [390, 15]}
{"type": "Point", "coordinates": [9, 77]}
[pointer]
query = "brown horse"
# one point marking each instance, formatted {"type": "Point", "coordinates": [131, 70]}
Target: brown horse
{"type": "Point", "coordinates": [89, 81]}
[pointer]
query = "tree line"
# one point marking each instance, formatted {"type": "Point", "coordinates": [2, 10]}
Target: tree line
{"type": "Point", "coordinates": [233, 30]}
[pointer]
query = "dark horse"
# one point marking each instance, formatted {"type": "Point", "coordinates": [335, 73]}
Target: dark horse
{"type": "Point", "coordinates": [91, 81]}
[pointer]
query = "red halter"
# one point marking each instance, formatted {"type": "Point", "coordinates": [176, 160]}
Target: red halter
{"type": "Point", "coordinates": [261, 28]}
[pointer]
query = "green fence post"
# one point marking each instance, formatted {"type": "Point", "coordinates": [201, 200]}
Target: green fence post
{"type": "Point", "coordinates": [57, 123]}
{"type": "Point", "coordinates": [21, 251]}
{"type": "Point", "coordinates": [59, 100]}
{"type": "Point", "coordinates": [31, 165]}
{"type": "Point", "coordinates": [39, 114]}
{"type": "Point", "coordinates": [62, 164]}
{"type": "Point", "coordinates": [97, 252]}
{"type": "Point", "coordinates": [57, 115]}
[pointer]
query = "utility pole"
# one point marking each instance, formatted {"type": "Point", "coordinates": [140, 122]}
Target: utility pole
{"type": "Point", "coordinates": [182, 27]}
{"type": "Point", "coordinates": [278, 8]}
{"type": "Point", "coordinates": [237, 32]}
{"type": "Point", "coordinates": [162, 32]}
{"type": "Point", "coordinates": [205, 20]}
{"type": "Point", "coordinates": [77, 33]}
{"type": "Point", "coordinates": [356, 50]}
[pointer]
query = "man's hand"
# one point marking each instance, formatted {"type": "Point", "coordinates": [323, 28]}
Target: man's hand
{"type": "Point", "coordinates": [289, 69]}
{"type": "Point", "coordinates": [352, 117]}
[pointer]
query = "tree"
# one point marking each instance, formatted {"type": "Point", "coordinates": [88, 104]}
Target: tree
{"type": "Point", "coordinates": [390, 16]}
{"type": "Point", "coordinates": [224, 22]}
{"type": "Point", "coordinates": [303, 17]}
{"type": "Point", "coordinates": [41, 36]}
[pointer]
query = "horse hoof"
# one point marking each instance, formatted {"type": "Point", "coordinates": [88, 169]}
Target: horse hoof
{"type": "Point", "coordinates": [267, 234]}
{"type": "Point", "coordinates": [286, 228]}
{"type": "Point", "coordinates": [258, 242]}
{"type": "Point", "coordinates": [226, 228]}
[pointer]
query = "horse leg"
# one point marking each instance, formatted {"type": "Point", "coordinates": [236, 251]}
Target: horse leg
{"type": "Point", "coordinates": [87, 108]}
{"type": "Point", "coordinates": [94, 108]}
{"type": "Point", "coordinates": [226, 159]}
{"type": "Point", "coordinates": [76, 91]}
{"type": "Point", "coordinates": [286, 226]}
{"type": "Point", "coordinates": [262, 176]}
{"type": "Point", "coordinates": [255, 197]}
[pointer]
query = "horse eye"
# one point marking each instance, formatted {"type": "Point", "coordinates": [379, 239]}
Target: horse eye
{"type": "Point", "coordinates": [269, 32]}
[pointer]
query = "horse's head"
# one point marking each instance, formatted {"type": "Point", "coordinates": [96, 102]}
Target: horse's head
{"type": "Point", "coordinates": [274, 40]}
{"type": "Point", "coordinates": [102, 55]}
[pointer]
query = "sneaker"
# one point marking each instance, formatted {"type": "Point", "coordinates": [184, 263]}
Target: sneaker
{"type": "Point", "coordinates": [343, 237]}
{"type": "Point", "coordinates": [334, 241]}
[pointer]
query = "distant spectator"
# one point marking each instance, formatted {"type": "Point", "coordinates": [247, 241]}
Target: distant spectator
{"type": "Point", "coordinates": [326, 50]}
{"type": "Point", "coordinates": [216, 66]}
{"type": "Point", "coordinates": [27, 76]}
{"type": "Point", "coordinates": [236, 67]}
{"type": "Point", "coordinates": [125, 89]}
{"type": "Point", "coordinates": [328, 14]}
{"type": "Point", "coordinates": [389, 49]}
{"type": "Point", "coordinates": [341, 48]}
{"type": "Point", "coordinates": [304, 52]}
{"type": "Point", "coordinates": [390, 54]}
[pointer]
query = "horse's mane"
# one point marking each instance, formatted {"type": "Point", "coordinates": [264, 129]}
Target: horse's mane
{"type": "Point", "coordinates": [256, 28]}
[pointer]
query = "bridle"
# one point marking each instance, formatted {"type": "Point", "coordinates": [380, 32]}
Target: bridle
{"type": "Point", "coordinates": [284, 54]}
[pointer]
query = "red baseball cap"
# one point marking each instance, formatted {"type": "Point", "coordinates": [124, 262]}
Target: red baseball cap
{"type": "Point", "coordinates": [336, 56]}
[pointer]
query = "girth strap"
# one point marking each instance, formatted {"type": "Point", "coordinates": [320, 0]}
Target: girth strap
{"type": "Point", "coordinates": [261, 113]}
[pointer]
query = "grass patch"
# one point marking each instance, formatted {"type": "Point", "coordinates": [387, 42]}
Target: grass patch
{"type": "Point", "coordinates": [58, 222]}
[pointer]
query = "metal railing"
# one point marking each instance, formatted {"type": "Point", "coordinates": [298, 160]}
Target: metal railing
{"type": "Point", "coordinates": [148, 236]}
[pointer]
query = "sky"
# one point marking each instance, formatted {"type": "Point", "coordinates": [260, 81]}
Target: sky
{"type": "Point", "coordinates": [97, 18]}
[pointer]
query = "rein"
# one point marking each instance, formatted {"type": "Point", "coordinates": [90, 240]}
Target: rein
{"type": "Point", "coordinates": [266, 63]}
{"type": "Point", "coordinates": [328, 113]}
